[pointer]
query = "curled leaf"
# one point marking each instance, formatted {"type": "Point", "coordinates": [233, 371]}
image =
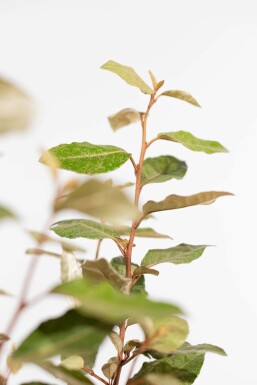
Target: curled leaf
{"type": "Point", "coordinates": [124, 118]}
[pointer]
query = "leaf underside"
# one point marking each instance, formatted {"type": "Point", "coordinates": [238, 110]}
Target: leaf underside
{"type": "Point", "coordinates": [182, 95]}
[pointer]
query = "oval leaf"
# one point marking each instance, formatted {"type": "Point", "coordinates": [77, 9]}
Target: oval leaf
{"type": "Point", "coordinates": [124, 118]}
{"type": "Point", "coordinates": [73, 363]}
{"type": "Point", "coordinates": [16, 109]}
{"type": "Point", "coordinates": [182, 95]}
{"type": "Point", "coordinates": [116, 340]}
{"type": "Point", "coordinates": [173, 202]}
{"type": "Point", "coordinates": [192, 142]}
{"type": "Point", "coordinates": [87, 158]}
{"type": "Point", "coordinates": [84, 228]}
{"type": "Point", "coordinates": [161, 169]}
{"type": "Point", "coordinates": [182, 253]}
{"type": "Point", "coordinates": [128, 74]}
{"type": "Point", "coordinates": [104, 303]}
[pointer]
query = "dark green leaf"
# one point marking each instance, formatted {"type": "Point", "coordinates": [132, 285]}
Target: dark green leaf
{"type": "Point", "coordinates": [104, 303]}
{"type": "Point", "coordinates": [71, 377]}
{"type": "Point", "coordinates": [161, 169]}
{"type": "Point", "coordinates": [192, 142]}
{"type": "Point", "coordinates": [186, 348]}
{"type": "Point", "coordinates": [182, 253]}
{"type": "Point", "coordinates": [182, 95]}
{"type": "Point", "coordinates": [101, 270]}
{"type": "Point", "coordinates": [5, 213]}
{"type": "Point", "coordinates": [128, 74]}
{"type": "Point", "coordinates": [119, 265]}
{"type": "Point", "coordinates": [84, 228]}
{"type": "Point", "coordinates": [69, 334]}
{"type": "Point", "coordinates": [100, 200]}
{"type": "Point", "coordinates": [185, 367]}
{"type": "Point", "coordinates": [42, 238]}
{"type": "Point", "coordinates": [124, 118]}
{"type": "Point", "coordinates": [172, 202]}
{"type": "Point", "coordinates": [16, 109]}
{"type": "Point", "coordinates": [87, 158]}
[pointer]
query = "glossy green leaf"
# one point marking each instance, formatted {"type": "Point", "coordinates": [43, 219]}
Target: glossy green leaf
{"type": "Point", "coordinates": [119, 265]}
{"type": "Point", "coordinates": [172, 202]}
{"type": "Point", "coordinates": [70, 334]}
{"type": "Point", "coordinates": [161, 379]}
{"type": "Point", "coordinates": [73, 363]}
{"type": "Point", "coordinates": [71, 377]}
{"type": "Point", "coordinates": [128, 74]}
{"type": "Point", "coordinates": [144, 232]}
{"type": "Point", "coordinates": [161, 169]}
{"type": "Point", "coordinates": [16, 110]}
{"type": "Point", "coordinates": [179, 254]}
{"type": "Point", "coordinates": [104, 303]}
{"type": "Point", "coordinates": [182, 95]}
{"type": "Point", "coordinates": [185, 367]}
{"type": "Point", "coordinates": [42, 238]}
{"type": "Point", "coordinates": [5, 213]}
{"type": "Point", "coordinates": [166, 335]}
{"type": "Point", "coordinates": [87, 158]}
{"type": "Point", "coordinates": [84, 228]}
{"type": "Point", "coordinates": [124, 118]}
{"type": "Point", "coordinates": [187, 348]}
{"type": "Point", "coordinates": [192, 142]}
{"type": "Point", "coordinates": [100, 200]}
{"type": "Point", "coordinates": [101, 270]}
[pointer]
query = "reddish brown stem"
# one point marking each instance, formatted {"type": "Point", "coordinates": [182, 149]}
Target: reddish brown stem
{"type": "Point", "coordinates": [93, 374]}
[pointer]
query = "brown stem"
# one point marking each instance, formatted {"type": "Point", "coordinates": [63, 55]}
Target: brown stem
{"type": "Point", "coordinates": [120, 354]}
{"type": "Point", "coordinates": [93, 374]}
{"type": "Point", "coordinates": [133, 163]}
{"type": "Point", "coordinates": [138, 187]}
{"type": "Point", "coordinates": [152, 141]}
{"type": "Point", "coordinates": [98, 248]}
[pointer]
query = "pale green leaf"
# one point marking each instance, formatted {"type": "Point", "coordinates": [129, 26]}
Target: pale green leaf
{"type": "Point", "coordinates": [84, 228]}
{"type": "Point", "coordinates": [101, 270]}
{"type": "Point", "coordinates": [109, 369]}
{"type": "Point", "coordinates": [119, 265]}
{"type": "Point", "coordinates": [144, 232]}
{"type": "Point", "coordinates": [3, 292]}
{"type": "Point", "coordinates": [192, 142]}
{"type": "Point", "coordinates": [144, 270]}
{"type": "Point", "coordinates": [161, 169]}
{"type": "Point", "coordinates": [100, 200]}
{"type": "Point", "coordinates": [166, 335]}
{"type": "Point", "coordinates": [70, 267]}
{"type": "Point", "coordinates": [172, 202]}
{"type": "Point", "coordinates": [73, 363]}
{"type": "Point", "coordinates": [186, 348]}
{"type": "Point", "coordinates": [128, 74]}
{"type": "Point", "coordinates": [179, 254]}
{"type": "Point", "coordinates": [5, 213]}
{"type": "Point", "coordinates": [182, 95]}
{"type": "Point", "coordinates": [124, 118]}
{"type": "Point", "coordinates": [70, 334]}
{"type": "Point", "coordinates": [42, 238]}
{"type": "Point", "coordinates": [185, 367]}
{"type": "Point", "coordinates": [71, 377]}
{"type": "Point", "coordinates": [16, 110]}
{"type": "Point", "coordinates": [161, 379]}
{"type": "Point", "coordinates": [102, 302]}
{"type": "Point", "coordinates": [116, 340]}
{"type": "Point", "coordinates": [87, 158]}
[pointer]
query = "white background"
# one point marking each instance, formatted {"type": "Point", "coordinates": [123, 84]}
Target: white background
{"type": "Point", "coordinates": [53, 49]}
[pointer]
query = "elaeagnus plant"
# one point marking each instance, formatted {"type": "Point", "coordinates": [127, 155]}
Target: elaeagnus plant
{"type": "Point", "coordinates": [108, 295]}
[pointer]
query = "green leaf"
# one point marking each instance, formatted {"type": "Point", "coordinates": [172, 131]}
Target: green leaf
{"type": "Point", "coordinates": [144, 232]}
{"type": "Point", "coordinates": [130, 345]}
{"type": "Point", "coordinates": [5, 213]}
{"type": "Point", "coordinates": [185, 367]}
{"type": "Point", "coordinates": [116, 340]}
{"type": "Point", "coordinates": [70, 334]}
{"type": "Point", "coordinates": [182, 253]}
{"type": "Point", "coordinates": [172, 202]}
{"type": "Point", "coordinates": [128, 74]}
{"type": "Point", "coordinates": [87, 158]}
{"type": "Point", "coordinates": [144, 270]}
{"type": "Point", "coordinates": [119, 265]}
{"type": "Point", "coordinates": [3, 338]}
{"type": "Point", "coordinates": [100, 200]}
{"type": "Point", "coordinates": [161, 379]}
{"type": "Point", "coordinates": [84, 228]}
{"type": "Point", "coordinates": [168, 334]}
{"type": "Point", "coordinates": [124, 118]}
{"type": "Point", "coordinates": [192, 142]}
{"type": "Point", "coordinates": [73, 363]}
{"type": "Point", "coordinates": [16, 109]}
{"type": "Point", "coordinates": [104, 303]}
{"type": "Point", "coordinates": [101, 270]}
{"type": "Point", "coordinates": [71, 377]}
{"type": "Point", "coordinates": [109, 369]}
{"type": "Point", "coordinates": [42, 238]}
{"type": "Point", "coordinates": [182, 95]}
{"type": "Point", "coordinates": [161, 169]}
{"type": "Point", "coordinates": [186, 348]}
